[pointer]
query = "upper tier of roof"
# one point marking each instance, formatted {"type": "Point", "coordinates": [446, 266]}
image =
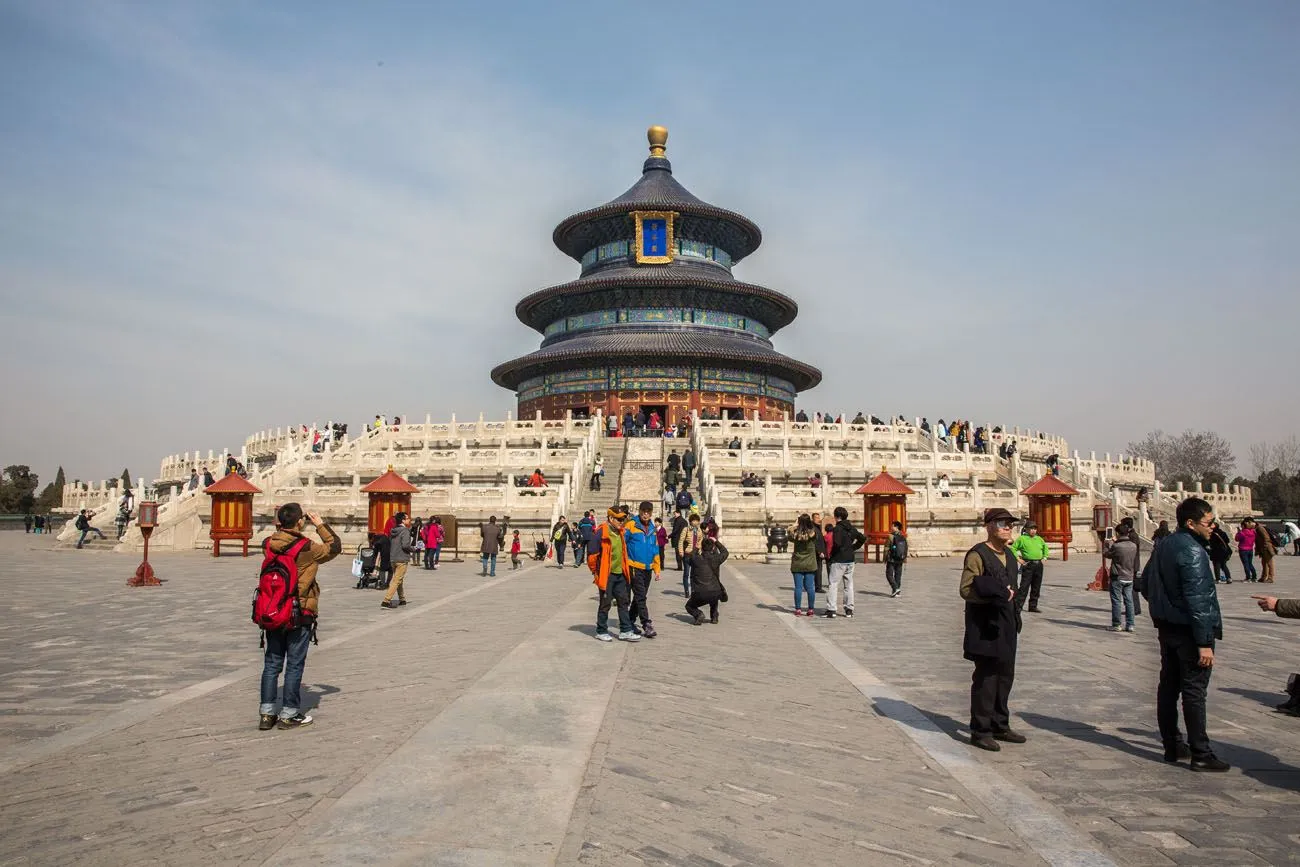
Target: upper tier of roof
{"type": "Point", "coordinates": [657, 190]}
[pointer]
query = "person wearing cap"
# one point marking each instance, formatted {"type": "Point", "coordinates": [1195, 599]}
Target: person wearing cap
{"type": "Point", "coordinates": [1031, 550]}
{"type": "Point", "coordinates": [608, 564]}
{"type": "Point", "coordinates": [642, 539]}
{"type": "Point", "coordinates": [988, 584]}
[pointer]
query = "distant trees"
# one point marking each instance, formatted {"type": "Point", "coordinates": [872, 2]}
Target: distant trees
{"type": "Point", "coordinates": [1275, 489]}
{"type": "Point", "coordinates": [1189, 457]}
{"type": "Point", "coordinates": [52, 495]}
{"type": "Point", "coordinates": [18, 489]}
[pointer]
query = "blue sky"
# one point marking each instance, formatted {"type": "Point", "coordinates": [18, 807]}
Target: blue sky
{"type": "Point", "coordinates": [218, 217]}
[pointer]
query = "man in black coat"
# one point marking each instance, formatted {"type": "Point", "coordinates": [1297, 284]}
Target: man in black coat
{"type": "Point", "coordinates": [988, 582]}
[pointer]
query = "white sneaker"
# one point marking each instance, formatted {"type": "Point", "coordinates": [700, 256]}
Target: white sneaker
{"type": "Point", "coordinates": [896, 593]}
{"type": "Point", "coordinates": [628, 636]}
{"type": "Point", "coordinates": [604, 636]}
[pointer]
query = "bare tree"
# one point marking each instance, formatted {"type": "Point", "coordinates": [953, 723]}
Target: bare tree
{"type": "Point", "coordinates": [1283, 456]}
{"type": "Point", "coordinates": [1189, 457]}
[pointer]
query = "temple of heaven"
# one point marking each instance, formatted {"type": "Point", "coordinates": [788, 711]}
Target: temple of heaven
{"type": "Point", "coordinates": [656, 321]}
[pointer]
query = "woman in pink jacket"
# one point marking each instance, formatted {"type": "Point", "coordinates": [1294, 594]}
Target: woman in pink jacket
{"type": "Point", "coordinates": [1246, 548]}
{"type": "Point", "coordinates": [433, 536]}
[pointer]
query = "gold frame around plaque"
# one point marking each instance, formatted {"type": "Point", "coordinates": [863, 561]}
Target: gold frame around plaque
{"type": "Point", "coordinates": [669, 217]}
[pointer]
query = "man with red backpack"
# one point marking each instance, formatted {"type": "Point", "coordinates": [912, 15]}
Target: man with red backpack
{"type": "Point", "coordinates": [286, 605]}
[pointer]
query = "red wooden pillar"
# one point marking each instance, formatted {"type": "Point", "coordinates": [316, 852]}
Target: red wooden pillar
{"type": "Point", "coordinates": [232, 511]}
{"type": "Point", "coordinates": [884, 501]}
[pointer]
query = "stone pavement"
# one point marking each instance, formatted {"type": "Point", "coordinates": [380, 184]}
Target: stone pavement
{"type": "Point", "coordinates": [482, 725]}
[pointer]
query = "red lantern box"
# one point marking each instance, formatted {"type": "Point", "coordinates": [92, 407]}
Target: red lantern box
{"type": "Point", "coordinates": [884, 501]}
{"type": "Point", "coordinates": [232, 511]}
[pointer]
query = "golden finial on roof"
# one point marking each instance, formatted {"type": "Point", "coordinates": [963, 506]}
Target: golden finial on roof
{"type": "Point", "coordinates": [658, 138]}
{"type": "Point", "coordinates": [390, 468]}
{"type": "Point", "coordinates": [882, 468]}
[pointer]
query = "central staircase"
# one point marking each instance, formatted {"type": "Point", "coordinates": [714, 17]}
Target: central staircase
{"type": "Point", "coordinates": [587, 500]}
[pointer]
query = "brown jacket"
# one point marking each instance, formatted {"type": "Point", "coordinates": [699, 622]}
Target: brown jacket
{"type": "Point", "coordinates": [309, 558]}
{"type": "Point", "coordinates": [1264, 546]}
{"type": "Point", "coordinates": [1288, 608]}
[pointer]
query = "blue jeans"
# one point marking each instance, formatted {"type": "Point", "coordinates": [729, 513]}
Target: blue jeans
{"type": "Point", "coordinates": [686, 577]}
{"type": "Point", "coordinates": [285, 649]}
{"type": "Point", "coordinates": [486, 559]}
{"type": "Point", "coordinates": [1248, 564]}
{"type": "Point", "coordinates": [87, 532]}
{"type": "Point", "coordinates": [805, 582]}
{"type": "Point", "coordinates": [1121, 591]}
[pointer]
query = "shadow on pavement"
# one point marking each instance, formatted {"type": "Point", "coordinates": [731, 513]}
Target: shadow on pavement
{"type": "Point", "coordinates": [946, 724]}
{"type": "Point", "coordinates": [1080, 623]}
{"type": "Point", "coordinates": [1081, 731]}
{"type": "Point", "coordinates": [311, 695]}
{"type": "Point", "coordinates": [1269, 698]}
{"type": "Point", "coordinates": [1258, 765]}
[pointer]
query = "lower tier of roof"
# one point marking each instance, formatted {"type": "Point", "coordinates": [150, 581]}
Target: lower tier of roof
{"type": "Point", "coordinates": [656, 348]}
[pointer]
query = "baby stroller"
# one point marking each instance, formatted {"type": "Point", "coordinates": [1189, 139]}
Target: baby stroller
{"type": "Point", "coordinates": [539, 550]}
{"type": "Point", "coordinates": [365, 567]}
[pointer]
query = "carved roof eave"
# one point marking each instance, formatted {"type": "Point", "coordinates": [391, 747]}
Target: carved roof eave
{"type": "Point", "coordinates": [646, 348]}
{"type": "Point", "coordinates": [570, 238]}
{"type": "Point", "coordinates": [592, 293]}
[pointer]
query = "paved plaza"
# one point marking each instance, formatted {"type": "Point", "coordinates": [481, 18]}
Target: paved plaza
{"type": "Point", "coordinates": [482, 725]}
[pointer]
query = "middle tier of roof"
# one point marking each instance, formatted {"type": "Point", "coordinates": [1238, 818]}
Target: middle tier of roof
{"type": "Point", "coordinates": [657, 286]}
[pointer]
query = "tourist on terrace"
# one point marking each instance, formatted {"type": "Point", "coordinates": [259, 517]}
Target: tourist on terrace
{"type": "Point", "coordinates": [1246, 549]}
{"type": "Point", "coordinates": [208, 481]}
{"type": "Point", "coordinates": [561, 536]}
{"type": "Point", "coordinates": [402, 549]}
{"type": "Point", "coordinates": [655, 423]}
{"type": "Point", "coordinates": [925, 424]}
{"type": "Point", "coordinates": [819, 545]}
{"type": "Point", "coordinates": [83, 524]}
{"type": "Point", "coordinates": [688, 543]}
{"type": "Point", "coordinates": [537, 479]}
{"type": "Point", "coordinates": [1031, 550]}
{"type": "Point", "coordinates": [1266, 550]}
{"type": "Point", "coordinates": [804, 564]}
{"type": "Point", "coordinates": [1220, 549]}
{"type": "Point", "coordinates": [1123, 570]}
{"type": "Point", "coordinates": [1053, 463]}
{"type": "Point", "coordinates": [629, 423]}
{"type": "Point", "coordinates": [194, 481]}
{"type": "Point", "coordinates": [1184, 607]}
{"type": "Point", "coordinates": [491, 534]}
{"type": "Point", "coordinates": [895, 558]}
{"type": "Point", "coordinates": [944, 485]}
{"type": "Point", "coordinates": [433, 535]}
{"type": "Point", "coordinates": [859, 418]}
{"type": "Point", "coordinates": [844, 543]}
{"type": "Point", "coordinates": [611, 426]}
{"type": "Point", "coordinates": [988, 584]}
{"type": "Point", "coordinates": [286, 649]}
{"type": "Point", "coordinates": [815, 480]}
{"type": "Point", "coordinates": [941, 432]}
{"type": "Point", "coordinates": [609, 573]}
{"type": "Point", "coordinates": [706, 584]}
{"type": "Point", "coordinates": [675, 534]}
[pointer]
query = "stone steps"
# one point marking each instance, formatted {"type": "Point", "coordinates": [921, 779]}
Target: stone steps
{"type": "Point", "coordinates": [643, 468]}
{"type": "Point", "coordinates": [598, 502]}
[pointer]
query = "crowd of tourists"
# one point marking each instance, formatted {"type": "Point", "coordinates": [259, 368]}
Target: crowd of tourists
{"type": "Point", "coordinates": [626, 552]}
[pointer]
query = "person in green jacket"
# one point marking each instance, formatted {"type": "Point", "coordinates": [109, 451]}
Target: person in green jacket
{"type": "Point", "coordinates": [1031, 550]}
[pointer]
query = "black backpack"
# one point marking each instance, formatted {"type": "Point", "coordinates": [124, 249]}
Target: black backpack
{"type": "Point", "coordinates": [898, 549]}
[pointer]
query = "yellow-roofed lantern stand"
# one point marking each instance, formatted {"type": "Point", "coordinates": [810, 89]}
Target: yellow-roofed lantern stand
{"type": "Point", "coordinates": [389, 494]}
{"type": "Point", "coordinates": [884, 501]}
{"type": "Point", "coordinates": [1049, 508]}
{"type": "Point", "coordinates": [232, 511]}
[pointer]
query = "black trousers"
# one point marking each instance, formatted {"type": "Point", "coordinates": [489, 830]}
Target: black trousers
{"type": "Point", "coordinates": [1181, 676]}
{"type": "Point", "coordinates": [894, 575]}
{"type": "Point", "coordinates": [1031, 583]}
{"type": "Point", "coordinates": [990, 687]}
{"type": "Point", "coordinates": [697, 599]}
{"type": "Point", "coordinates": [640, 609]}
{"type": "Point", "coordinates": [821, 575]}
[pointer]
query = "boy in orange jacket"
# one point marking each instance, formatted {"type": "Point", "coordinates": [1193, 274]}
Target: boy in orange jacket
{"type": "Point", "coordinates": [608, 562]}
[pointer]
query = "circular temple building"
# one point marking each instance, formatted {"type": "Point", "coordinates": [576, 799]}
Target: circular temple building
{"type": "Point", "coordinates": [656, 321]}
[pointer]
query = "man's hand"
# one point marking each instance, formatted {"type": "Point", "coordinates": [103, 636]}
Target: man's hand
{"type": "Point", "coordinates": [313, 519]}
{"type": "Point", "coordinates": [1011, 593]}
{"type": "Point", "coordinates": [656, 576]}
{"type": "Point", "coordinates": [1207, 657]}
{"type": "Point", "coordinates": [1266, 603]}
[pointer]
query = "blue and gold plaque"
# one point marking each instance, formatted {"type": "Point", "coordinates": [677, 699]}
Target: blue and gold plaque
{"type": "Point", "coordinates": [654, 237]}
